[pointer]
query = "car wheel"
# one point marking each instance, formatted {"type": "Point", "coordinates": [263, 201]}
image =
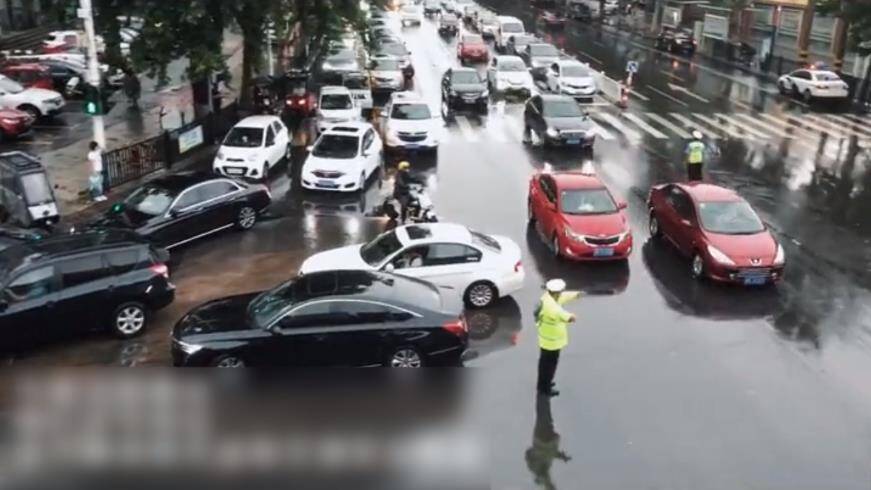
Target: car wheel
{"type": "Point", "coordinates": [698, 266]}
{"type": "Point", "coordinates": [246, 217]}
{"type": "Point", "coordinates": [129, 320]}
{"type": "Point", "coordinates": [555, 247]}
{"type": "Point", "coordinates": [31, 111]}
{"type": "Point", "coordinates": [481, 294]}
{"type": "Point", "coordinates": [405, 357]}
{"type": "Point", "coordinates": [653, 226]}
{"type": "Point", "coordinates": [228, 361]}
{"type": "Point", "coordinates": [807, 96]}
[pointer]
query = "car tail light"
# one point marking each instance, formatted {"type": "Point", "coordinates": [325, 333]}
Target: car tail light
{"type": "Point", "coordinates": [518, 266]}
{"type": "Point", "coordinates": [457, 327]}
{"type": "Point", "coordinates": [160, 270]}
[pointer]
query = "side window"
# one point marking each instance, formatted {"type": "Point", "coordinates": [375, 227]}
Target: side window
{"type": "Point", "coordinates": [548, 188]}
{"type": "Point", "coordinates": [411, 258]}
{"type": "Point", "coordinates": [276, 126]}
{"type": "Point", "coordinates": [368, 138]}
{"type": "Point", "coordinates": [189, 197]}
{"type": "Point", "coordinates": [31, 285]}
{"type": "Point", "coordinates": [82, 270]}
{"type": "Point", "coordinates": [310, 315]}
{"type": "Point", "coordinates": [362, 311]}
{"type": "Point", "coordinates": [216, 189]}
{"type": "Point", "coordinates": [270, 136]}
{"type": "Point", "coordinates": [450, 254]}
{"type": "Point", "coordinates": [123, 261]}
{"type": "Point", "coordinates": [681, 203]}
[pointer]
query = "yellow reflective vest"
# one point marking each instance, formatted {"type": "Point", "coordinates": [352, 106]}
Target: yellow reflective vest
{"type": "Point", "coordinates": [695, 152]}
{"type": "Point", "coordinates": [553, 319]}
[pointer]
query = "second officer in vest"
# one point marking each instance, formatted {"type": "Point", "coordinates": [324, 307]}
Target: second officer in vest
{"type": "Point", "coordinates": [695, 156]}
{"type": "Point", "coordinates": [552, 321]}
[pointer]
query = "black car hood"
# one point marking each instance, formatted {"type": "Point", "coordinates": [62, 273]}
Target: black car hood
{"type": "Point", "coordinates": [221, 315]}
{"type": "Point", "coordinates": [569, 123]}
{"type": "Point", "coordinates": [469, 88]}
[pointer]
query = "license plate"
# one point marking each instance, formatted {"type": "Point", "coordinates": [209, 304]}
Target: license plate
{"type": "Point", "coordinates": [235, 171]}
{"type": "Point", "coordinates": [411, 147]}
{"type": "Point", "coordinates": [326, 183]}
{"type": "Point", "coordinates": [573, 142]}
{"type": "Point", "coordinates": [754, 281]}
{"type": "Point", "coordinates": [603, 252]}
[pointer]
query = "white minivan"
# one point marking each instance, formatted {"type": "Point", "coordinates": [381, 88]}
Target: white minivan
{"type": "Point", "coordinates": [505, 28]}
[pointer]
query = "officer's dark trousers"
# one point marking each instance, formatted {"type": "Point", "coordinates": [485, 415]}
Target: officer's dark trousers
{"type": "Point", "coordinates": [547, 361]}
{"type": "Point", "coordinates": [694, 172]}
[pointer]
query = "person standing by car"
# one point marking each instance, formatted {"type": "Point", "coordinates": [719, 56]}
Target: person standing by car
{"type": "Point", "coordinates": [95, 181]}
{"type": "Point", "coordinates": [695, 157]}
{"type": "Point", "coordinates": [552, 321]}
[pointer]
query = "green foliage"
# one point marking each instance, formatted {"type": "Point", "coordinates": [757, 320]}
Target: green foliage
{"type": "Point", "coordinates": [856, 12]}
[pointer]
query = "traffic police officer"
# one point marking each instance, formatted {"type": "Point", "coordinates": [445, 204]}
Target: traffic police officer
{"type": "Point", "coordinates": [552, 322]}
{"type": "Point", "coordinates": [695, 155]}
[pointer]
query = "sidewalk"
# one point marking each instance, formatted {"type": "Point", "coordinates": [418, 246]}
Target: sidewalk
{"type": "Point", "coordinates": [67, 166]}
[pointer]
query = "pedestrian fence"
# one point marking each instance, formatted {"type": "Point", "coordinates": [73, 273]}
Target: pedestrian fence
{"type": "Point", "coordinates": [171, 146]}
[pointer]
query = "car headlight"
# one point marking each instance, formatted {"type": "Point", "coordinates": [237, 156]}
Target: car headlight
{"type": "Point", "coordinates": [188, 348]}
{"type": "Point", "coordinates": [574, 236]}
{"type": "Point", "coordinates": [553, 133]}
{"type": "Point", "coordinates": [780, 257]}
{"type": "Point", "coordinates": [719, 256]}
{"type": "Point", "coordinates": [219, 156]}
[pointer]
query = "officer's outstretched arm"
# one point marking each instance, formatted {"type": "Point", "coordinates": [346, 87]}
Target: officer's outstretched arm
{"type": "Point", "coordinates": [568, 296]}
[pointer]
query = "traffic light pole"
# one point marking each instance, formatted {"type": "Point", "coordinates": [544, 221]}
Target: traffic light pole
{"type": "Point", "coordinates": [86, 13]}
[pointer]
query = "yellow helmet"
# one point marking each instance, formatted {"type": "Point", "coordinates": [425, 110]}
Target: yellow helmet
{"type": "Point", "coordinates": [403, 165]}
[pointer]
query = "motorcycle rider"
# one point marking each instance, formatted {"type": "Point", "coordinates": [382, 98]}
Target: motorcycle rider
{"type": "Point", "coordinates": [402, 187]}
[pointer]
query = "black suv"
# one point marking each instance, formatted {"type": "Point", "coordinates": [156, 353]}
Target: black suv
{"type": "Point", "coordinates": [556, 120]}
{"type": "Point", "coordinates": [67, 284]}
{"type": "Point", "coordinates": [463, 88]}
{"type": "Point", "coordinates": [676, 41]}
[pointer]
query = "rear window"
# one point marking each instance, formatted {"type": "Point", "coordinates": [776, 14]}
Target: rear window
{"type": "Point", "coordinates": [542, 50]}
{"type": "Point", "coordinates": [418, 232]}
{"type": "Point", "coordinates": [124, 261]}
{"type": "Point", "coordinates": [481, 239]}
{"type": "Point", "coordinates": [826, 77]}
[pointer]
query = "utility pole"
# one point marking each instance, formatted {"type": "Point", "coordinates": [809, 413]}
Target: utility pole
{"type": "Point", "coordinates": [270, 35]}
{"type": "Point", "coordinates": [86, 13]}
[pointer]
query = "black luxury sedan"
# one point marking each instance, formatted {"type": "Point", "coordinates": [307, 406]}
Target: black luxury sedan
{"type": "Point", "coordinates": [68, 284]}
{"type": "Point", "coordinates": [463, 88]}
{"type": "Point", "coordinates": [557, 120]}
{"type": "Point", "coordinates": [676, 41]}
{"type": "Point", "coordinates": [179, 208]}
{"type": "Point", "coordinates": [334, 318]}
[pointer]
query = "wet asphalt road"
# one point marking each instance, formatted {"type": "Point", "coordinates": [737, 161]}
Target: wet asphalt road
{"type": "Point", "coordinates": [667, 382]}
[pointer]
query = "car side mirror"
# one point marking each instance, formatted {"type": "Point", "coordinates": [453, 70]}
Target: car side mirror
{"type": "Point", "coordinates": [4, 305]}
{"type": "Point", "coordinates": [622, 205]}
{"type": "Point", "coordinates": [686, 222]}
{"type": "Point", "coordinates": [389, 268]}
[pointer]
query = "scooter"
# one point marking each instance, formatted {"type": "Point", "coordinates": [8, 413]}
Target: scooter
{"type": "Point", "coordinates": [420, 207]}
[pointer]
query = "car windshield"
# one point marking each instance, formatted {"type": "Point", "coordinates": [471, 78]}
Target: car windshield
{"type": "Point", "coordinates": [561, 108]}
{"type": "Point", "coordinates": [465, 77]}
{"type": "Point", "coordinates": [410, 111]}
{"type": "Point", "coordinates": [512, 27]}
{"type": "Point", "coordinates": [511, 65]}
{"type": "Point", "coordinates": [730, 218]}
{"type": "Point", "coordinates": [336, 102]}
{"type": "Point", "coordinates": [10, 86]}
{"type": "Point", "coordinates": [473, 39]}
{"type": "Point", "coordinates": [826, 77]}
{"type": "Point", "coordinates": [386, 65]}
{"type": "Point", "coordinates": [576, 71]}
{"type": "Point", "coordinates": [383, 246]}
{"type": "Point", "coordinates": [335, 146]}
{"type": "Point", "coordinates": [269, 304]}
{"type": "Point", "coordinates": [36, 189]}
{"type": "Point", "coordinates": [244, 137]}
{"type": "Point", "coordinates": [149, 200]}
{"type": "Point", "coordinates": [587, 201]}
{"type": "Point", "coordinates": [542, 50]}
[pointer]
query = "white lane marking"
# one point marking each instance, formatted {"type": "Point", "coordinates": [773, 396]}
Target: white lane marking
{"type": "Point", "coordinates": [838, 119]}
{"type": "Point", "coordinates": [678, 88]}
{"type": "Point", "coordinates": [466, 128]}
{"type": "Point", "coordinates": [672, 75]}
{"type": "Point", "coordinates": [599, 130]}
{"type": "Point", "coordinates": [494, 128]}
{"type": "Point", "coordinates": [694, 125]}
{"type": "Point", "coordinates": [809, 121]}
{"type": "Point", "coordinates": [733, 124]}
{"type": "Point", "coordinates": [751, 119]}
{"type": "Point", "coordinates": [646, 127]}
{"type": "Point", "coordinates": [716, 124]}
{"type": "Point", "coordinates": [674, 99]}
{"type": "Point", "coordinates": [638, 94]}
{"type": "Point", "coordinates": [618, 125]}
{"type": "Point", "coordinates": [856, 118]}
{"type": "Point", "coordinates": [667, 124]}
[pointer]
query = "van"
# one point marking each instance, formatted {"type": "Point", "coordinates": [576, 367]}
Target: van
{"type": "Point", "coordinates": [26, 196]}
{"type": "Point", "coordinates": [505, 28]}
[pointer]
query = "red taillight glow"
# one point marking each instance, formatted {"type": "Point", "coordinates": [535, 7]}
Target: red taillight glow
{"type": "Point", "coordinates": [160, 270]}
{"type": "Point", "coordinates": [518, 266]}
{"type": "Point", "coordinates": [456, 327]}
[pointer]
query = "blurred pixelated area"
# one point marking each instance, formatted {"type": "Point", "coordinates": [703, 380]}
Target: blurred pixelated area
{"type": "Point", "coordinates": [253, 429]}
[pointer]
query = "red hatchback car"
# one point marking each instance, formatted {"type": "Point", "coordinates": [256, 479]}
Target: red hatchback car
{"type": "Point", "coordinates": [30, 75]}
{"type": "Point", "coordinates": [14, 123]}
{"type": "Point", "coordinates": [719, 230]}
{"type": "Point", "coordinates": [472, 47]}
{"type": "Point", "coordinates": [578, 216]}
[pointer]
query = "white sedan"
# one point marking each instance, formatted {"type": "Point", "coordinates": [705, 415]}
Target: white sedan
{"type": "Point", "coordinates": [812, 84]}
{"type": "Point", "coordinates": [480, 267]}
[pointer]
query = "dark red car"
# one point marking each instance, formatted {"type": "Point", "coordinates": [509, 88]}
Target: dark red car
{"type": "Point", "coordinates": [14, 123]}
{"type": "Point", "coordinates": [576, 214]}
{"type": "Point", "coordinates": [552, 19]}
{"type": "Point", "coordinates": [30, 75]}
{"type": "Point", "coordinates": [719, 230]}
{"type": "Point", "coordinates": [472, 47]}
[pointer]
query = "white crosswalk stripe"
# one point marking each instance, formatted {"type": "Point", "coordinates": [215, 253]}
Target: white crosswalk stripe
{"type": "Point", "coordinates": [602, 132]}
{"type": "Point", "coordinates": [668, 125]}
{"type": "Point", "coordinates": [856, 127]}
{"type": "Point", "coordinates": [619, 126]}
{"type": "Point", "coordinates": [733, 123]}
{"type": "Point", "coordinates": [469, 134]}
{"type": "Point", "coordinates": [754, 121]}
{"type": "Point", "coordinates": [711, 121]}
{"type": "Point", "coordinates": [825, 126]}
{"type": "Point", "coordinates": [861, 120]}
{"type": "Point", "coordinates": [644, 126]}
{"type": "Point", "coordinates": [692, 125]}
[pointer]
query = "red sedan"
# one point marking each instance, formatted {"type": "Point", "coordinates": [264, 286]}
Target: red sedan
{"type": "Point", "coordinates": [720, 232]}
{"type": "Point", "coordinates": [14, 123]}
{"type": "Point", "coordinates": [31, 75]}
{"type": "Point", "coordinates": [578, 216]}
{"type": "Point", "coordinates": [472, 47]}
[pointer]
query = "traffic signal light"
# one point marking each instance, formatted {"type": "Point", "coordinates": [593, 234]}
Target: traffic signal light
{"type": "Point", "coordinates": [93, 101]}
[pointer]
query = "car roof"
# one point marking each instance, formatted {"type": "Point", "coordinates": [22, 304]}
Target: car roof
{"type": "Point", "coordinates": [256, 121]}
{"type": "Point", "coordinates": [433, 232]}
{"type": "Point", "coordinates": [51, 247]}
{"type": "Point", "coordinates": [349, 128]}
{"type": "Point", "coordinates": [508, 18]}
{"type": "Point", "coordinates": [571, 62]}
{"type": "Point", "coordinates": [701, 191]}
{"type": "Point", "coordinates": [577, 180]}
{"type": "Point", "coordinates": [508, 57]}
{"type": "Point", "coordinates": [178, 182]}
{"type": "Point", "coordinates": [335, 89]}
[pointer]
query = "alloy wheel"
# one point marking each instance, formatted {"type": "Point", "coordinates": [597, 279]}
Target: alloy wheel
{"type": "Point", "coordinates": [230, 362]}
{"type": "Point", "coordinates": [247, 218]}
{"type": "Point", "coordinates": [653, 226]}
{"type": "Point", "coordinates": [698, 266]}
{"type": "Point", "coordinates": [130, 320]}
{"type": "Point", "coordinates": [480, 295]}
{"type": "Point", "coordinates": [406, 358]}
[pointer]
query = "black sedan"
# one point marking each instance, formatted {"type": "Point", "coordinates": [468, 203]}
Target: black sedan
{"type": "Point", "coordinates": [179, 208]}
{"type": "Point", "coordinates": [676, 41]}
{"type": "Point", "coordinates": [333, 318]}
{"type": "Point", "coordinates": [463, 88]}
{"type": "Point", "coordinates": [556, 120]}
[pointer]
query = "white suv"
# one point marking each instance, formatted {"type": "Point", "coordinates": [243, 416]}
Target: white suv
{"type": "Point", "coordinates": [37, 102]}
{"type": "Point", "coordinates": [252, 147]}
{"type": "Point", "coordinates": [409, 124]}
{"type": "Point", "coordinates": [811, 84]}
{"type": "Point", "coordinates": [508, 74]}
{"type": "Point", "coordinates": [336, 105]}
{"type": "Point", "coordinates": [343, 158]}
